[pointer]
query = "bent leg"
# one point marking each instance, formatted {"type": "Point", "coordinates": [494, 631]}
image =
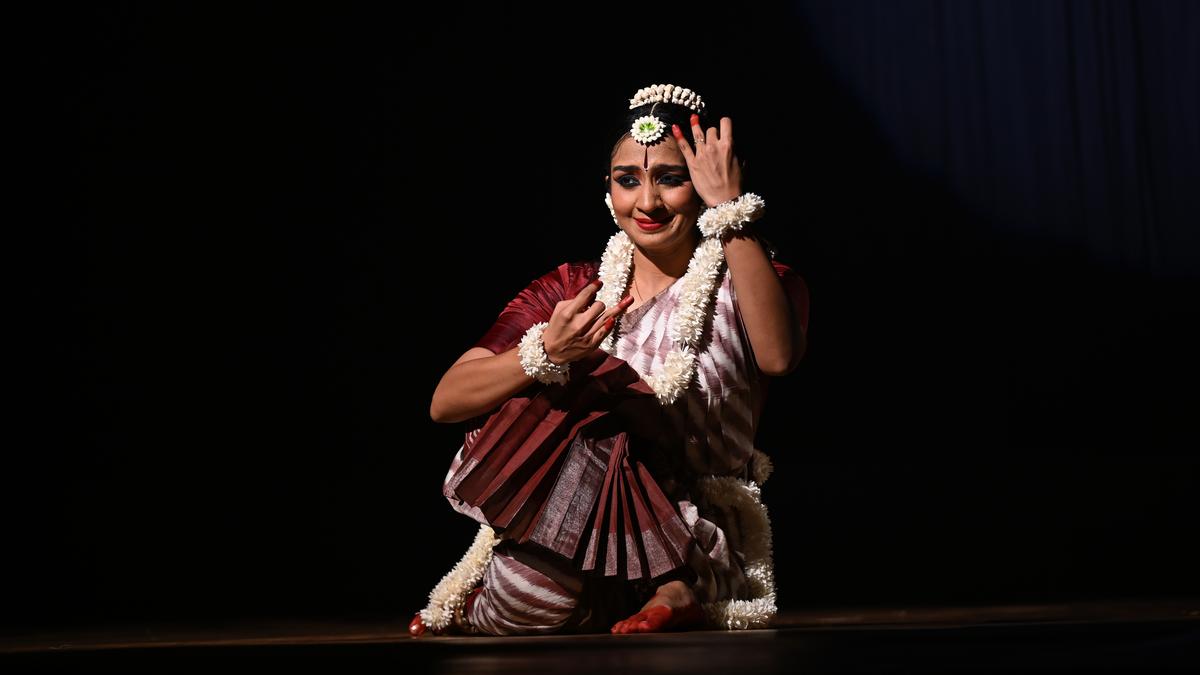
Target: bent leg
{"type": "Point", "coordinates": [524, 592]}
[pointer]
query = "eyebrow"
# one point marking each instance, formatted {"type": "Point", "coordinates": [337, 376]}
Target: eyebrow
{"type": "Point", "coordinates": [657, 167]}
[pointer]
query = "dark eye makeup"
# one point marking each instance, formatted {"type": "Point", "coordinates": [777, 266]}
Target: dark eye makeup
{"type": "Point", "coordinates": [676, 179]}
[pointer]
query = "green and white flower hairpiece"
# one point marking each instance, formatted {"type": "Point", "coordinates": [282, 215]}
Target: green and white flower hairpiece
{"type": "Point", "coordinates": [648, 129]}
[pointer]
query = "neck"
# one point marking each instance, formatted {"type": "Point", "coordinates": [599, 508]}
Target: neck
{"type": "Point", "coordinates": [658, 269]}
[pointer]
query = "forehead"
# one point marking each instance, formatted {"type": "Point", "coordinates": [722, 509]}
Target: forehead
{"type": "Point", "coordinates": [631, 152]}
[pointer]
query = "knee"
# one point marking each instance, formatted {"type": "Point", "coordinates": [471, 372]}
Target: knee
{"type": "Point", "coordinates": [517, 599]}
{"type": "Point", "coordinates": [493, 613]}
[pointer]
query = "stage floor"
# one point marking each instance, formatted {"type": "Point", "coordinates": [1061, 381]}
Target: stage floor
{"type": "Point", "coordinates": [1114, 636]}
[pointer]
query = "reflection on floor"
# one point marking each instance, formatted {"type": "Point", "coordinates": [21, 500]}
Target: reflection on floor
{"type": "Point", "coordinates": [1150, 635]}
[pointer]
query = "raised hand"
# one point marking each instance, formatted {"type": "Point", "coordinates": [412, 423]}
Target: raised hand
{"type": "Point", "coordinates": [578, 326]}
{"type": "Point", "coordinates": [716, 173]}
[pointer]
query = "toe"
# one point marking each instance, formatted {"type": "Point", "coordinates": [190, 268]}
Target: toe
{"type": "Point", "coordinates": [417, 627]}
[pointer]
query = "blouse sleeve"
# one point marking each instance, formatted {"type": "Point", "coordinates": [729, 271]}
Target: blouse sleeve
{"type": "Point", "coordinates": [796, 289]}
{"type": "Point", "coordinates": [797, 294]}
{"type": "Point", "coordinates": [532, 305]}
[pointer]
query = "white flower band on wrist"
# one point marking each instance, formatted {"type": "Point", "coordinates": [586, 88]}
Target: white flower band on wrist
{"type": "Point", "coordinates": [731, 215]}
{"type": "Point", "coordinates": [534, 360]}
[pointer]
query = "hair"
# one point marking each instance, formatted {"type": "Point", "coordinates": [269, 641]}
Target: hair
{"type": "Point", "coordinates": [669, 113]}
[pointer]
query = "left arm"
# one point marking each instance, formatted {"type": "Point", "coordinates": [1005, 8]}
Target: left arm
{"type": "Point", "coordinates": [776, 333]}
{"type": "Point", "coordinates": [772, 320]}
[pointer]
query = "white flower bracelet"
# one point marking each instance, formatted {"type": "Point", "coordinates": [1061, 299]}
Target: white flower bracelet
{"type": "Point", "coordinates": [534, 360]}
{"type": "Point", "coordinates": [731, 215]}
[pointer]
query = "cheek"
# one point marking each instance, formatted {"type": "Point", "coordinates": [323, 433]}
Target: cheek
{"type": "Point", "coordinates": [622, 200]}
{"type": "Point", "coordinates": [683, 199]}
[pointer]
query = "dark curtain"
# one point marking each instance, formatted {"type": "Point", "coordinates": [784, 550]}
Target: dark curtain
{"type": "Point", "coordinates": [1073, 124]}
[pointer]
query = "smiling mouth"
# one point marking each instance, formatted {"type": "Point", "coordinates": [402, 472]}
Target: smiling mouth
{"type": "Point", "coordinates": [651, 225]}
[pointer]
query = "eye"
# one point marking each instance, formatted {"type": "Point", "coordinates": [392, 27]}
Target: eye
{"type": "Point", "coordinates": [669, 178]}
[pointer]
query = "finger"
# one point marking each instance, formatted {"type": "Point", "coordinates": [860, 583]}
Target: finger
{"type": "Point", "coordinates": [599, 332]}
{"type": "Point", "coordinates": [697, 130]}
{"type": "Point", "coordinates": [600, 321]}
{"type": "Point", "coordinates": [688, 155]}
{"type": "Point", "coordinates": [589, 314]}
{"type": "Point", "coordinates": [584, 298]}
{"type": "Point", "coordinates": [619, 307]}
{"type": "Point", "coordinates": [711, 136]}
{"type": "Point", "coordinates": [726, 129]}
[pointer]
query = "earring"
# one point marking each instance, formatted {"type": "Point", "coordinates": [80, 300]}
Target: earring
{"type": "Point", "coordinates": [611, 210]}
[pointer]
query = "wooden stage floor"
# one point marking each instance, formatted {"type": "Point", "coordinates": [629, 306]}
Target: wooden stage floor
{"type": "Point", "coordinates": [1113, 636]}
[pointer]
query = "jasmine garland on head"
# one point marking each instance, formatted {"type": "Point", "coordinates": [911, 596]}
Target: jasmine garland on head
{"type": "Point", "coordinates": [649, 129]}
{"type": "Point", "coordinates": [653, 110]}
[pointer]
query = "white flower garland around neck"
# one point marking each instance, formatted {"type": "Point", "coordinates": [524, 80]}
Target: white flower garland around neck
{"type": "Point", "coordinates": [696, 293]}
{"type": "Point", "coordinates": [686, 324]}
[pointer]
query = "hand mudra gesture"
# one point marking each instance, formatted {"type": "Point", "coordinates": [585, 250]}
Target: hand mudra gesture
{"type": "Point", "coordinates": [578, 326]}
{"type": "Point", "coordinates": [715, 172]}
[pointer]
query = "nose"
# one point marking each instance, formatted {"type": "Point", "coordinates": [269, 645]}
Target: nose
{"type": "Point", "coordinates": [648, 200]}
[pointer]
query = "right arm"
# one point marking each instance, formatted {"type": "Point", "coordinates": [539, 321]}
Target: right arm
{"type": "Point", "coordinates": [480, 380]}
{"type": "Point", "coordinates": [477, 382]}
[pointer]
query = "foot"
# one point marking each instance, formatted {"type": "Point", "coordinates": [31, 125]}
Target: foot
{"type": "Point", "coordinates": [673, 607]}
{"type": "Point", "coordinates": [417, 627]}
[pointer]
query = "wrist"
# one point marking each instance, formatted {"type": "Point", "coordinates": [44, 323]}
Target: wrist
{"type": "Point", "coordinates": [536, 362]}
{"type": "Point", "coordinates": [551, 352]}
{"type": "Point", "coordinates": [721, 200]}
{"type": "Point", "coordinates": [733, 214]}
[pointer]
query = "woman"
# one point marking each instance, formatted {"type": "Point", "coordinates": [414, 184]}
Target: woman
{"type": "Point", "coordinates": [612, 407]}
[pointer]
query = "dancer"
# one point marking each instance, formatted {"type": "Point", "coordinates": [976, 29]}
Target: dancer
{"type": "Point", "coordinates": [612, 407]}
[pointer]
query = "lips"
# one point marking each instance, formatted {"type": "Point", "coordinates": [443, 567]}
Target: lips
{"type": "Point", "coordinates": [651, 225]}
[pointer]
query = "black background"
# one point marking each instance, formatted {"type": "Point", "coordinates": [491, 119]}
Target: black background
{"type": "Point", "coordinates": [267, 232]}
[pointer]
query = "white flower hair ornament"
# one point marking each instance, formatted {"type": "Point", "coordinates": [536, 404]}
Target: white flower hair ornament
{"type": "Point", "coordinates": [647, 129]}
{"type": "Point", "coordinates": [650, 129]}
{"type": "Point", "coordinates": [667, 93]}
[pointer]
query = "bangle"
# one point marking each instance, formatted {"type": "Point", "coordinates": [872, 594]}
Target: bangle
{"type": "Point", "coordinates": [534, 360]}
{"type": "Point", "coordinates": [731, 215]}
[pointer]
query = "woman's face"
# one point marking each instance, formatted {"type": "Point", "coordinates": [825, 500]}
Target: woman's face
{"type": "Point", "coordinates": [665, 195]}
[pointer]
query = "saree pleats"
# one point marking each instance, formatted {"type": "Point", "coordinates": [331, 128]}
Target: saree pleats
{"type": "Point", "coordinates": [544, 468]}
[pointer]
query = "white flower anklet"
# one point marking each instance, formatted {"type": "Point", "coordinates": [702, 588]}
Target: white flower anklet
{"type": "Point", "coordinates": [536, 363]}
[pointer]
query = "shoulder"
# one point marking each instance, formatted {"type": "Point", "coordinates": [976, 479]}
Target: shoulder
{"type": "Point", "coordinates": [563, 281]}
{"type": "Point", "coordinates": [568, 278]}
